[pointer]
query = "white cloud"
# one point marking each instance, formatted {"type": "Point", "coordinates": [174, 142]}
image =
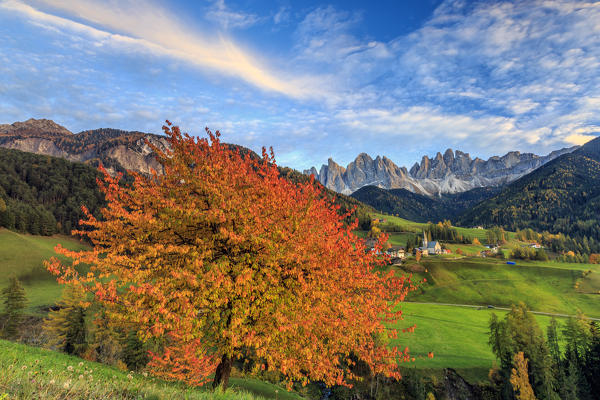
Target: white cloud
{"type": "Point", "coordinates": [153, 29]}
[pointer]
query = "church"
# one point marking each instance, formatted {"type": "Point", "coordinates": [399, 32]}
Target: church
{"type": "Point", "coordinates": [429, 248]}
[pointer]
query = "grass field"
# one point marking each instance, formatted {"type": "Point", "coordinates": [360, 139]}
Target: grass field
{"type": "Point", "coordinates": [490, 281]}
{"type": "Point", "coordinates": [23, 255]}
{"type": "Point", "coordinates": [29, 372]}
{"type": "Point", "coordinates": [457, 336]}
{"type": "Point", "coordinates": [418, 227]}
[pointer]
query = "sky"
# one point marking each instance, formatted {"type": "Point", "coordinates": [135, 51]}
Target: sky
{"type": "Point", "coordinates": [312, 79]}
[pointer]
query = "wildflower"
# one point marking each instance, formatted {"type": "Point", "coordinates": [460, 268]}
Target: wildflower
{"type": "Point", "coordinates": [24, 367]}
{"type": "Point", "coordinates": [70, 368]}
{"type": "Point", "coordinates": [67, 384]}
{"type": "Point", "coordinates": [80, 376]}
{"type": "Point", "coordinates": [81, 364]}
{"type": "Point", "coordinates": [52, 381]}
{"type": "Point", "coordinates": [129, 376]}
{"type": "Point", "coordinates": [145, 374]}
{"type": "Point", "coordinates": [114, 377]}
{"type": "Point", "coordinates": [49, 371]}
{"type": "Point", "coordinates": [37, 361]}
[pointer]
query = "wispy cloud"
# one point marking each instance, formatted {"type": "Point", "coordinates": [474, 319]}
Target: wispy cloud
{"type": "Point", "coordinates": [154, 29]}
{"type": "Point", "coordinates": [222, 15]}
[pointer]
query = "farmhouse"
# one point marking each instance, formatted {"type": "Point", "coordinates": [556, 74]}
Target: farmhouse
{"type": "Point", "coordinates": [396, 252]}
{"type": "Point", "coordinates": [434, 248]}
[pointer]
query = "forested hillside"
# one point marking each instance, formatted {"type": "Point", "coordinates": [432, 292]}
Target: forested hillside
{"type": "Point", "coordinates": [419, 208]}
{"type": "Point", "coordinates": [43, 195]}
{"type": "Point", "coordinates": [561, 196]}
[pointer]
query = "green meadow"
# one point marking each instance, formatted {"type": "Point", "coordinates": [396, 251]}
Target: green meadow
{"type": "Point", "coordinates": [23, 255]}
{"type": "Point", "coordinates": [488, 281]}
{"type": "Point", "coordinates": [457, 337]}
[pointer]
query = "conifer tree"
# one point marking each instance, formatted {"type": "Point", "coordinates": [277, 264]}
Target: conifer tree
{"type": "Point", "coordinates": [14, 302]}
{"type": "Point", "coordinates": [134, 352]}
{"type": "Point", "coordinates": [104, 340]}
{"type": "Point", "coordinates": [66, 326]}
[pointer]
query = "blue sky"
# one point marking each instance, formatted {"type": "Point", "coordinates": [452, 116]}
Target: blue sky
{"type": "Point", "coordinates": [312, 79]}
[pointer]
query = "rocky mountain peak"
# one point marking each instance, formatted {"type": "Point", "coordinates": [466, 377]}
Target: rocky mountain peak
{"type": "Point", "coordinates": [35, 126]}
{"type": "Point", "coordinates": [450, 172]}
{"type": "Point", "coordinates": [448, 156]}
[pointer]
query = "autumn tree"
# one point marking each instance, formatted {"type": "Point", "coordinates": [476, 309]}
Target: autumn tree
{"type": "Point", "coordinates": [418, 255]}
{"type": "Point", "coordinates": [221, 256]}
{"type": "Point", "coordinates": [14, 302]}
{"type": "Point", "coordinates": [519, 378]}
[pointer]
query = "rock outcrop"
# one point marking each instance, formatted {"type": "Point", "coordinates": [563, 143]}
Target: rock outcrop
{"type": "Point", "coordinates": [452, 172]}
{"type": "Point", "coordinates": [114, 148]}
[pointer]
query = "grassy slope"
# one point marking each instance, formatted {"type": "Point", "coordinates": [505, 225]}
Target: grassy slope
{"type": "Point", "coordinates": [458, 337]}
{"type": "Point", "coordinates": [107, 382]}
{"type": "Point", "coordinates": [490, 281]}
{"type": "Point", "coordinates": [23, 255]}
{"type": "Point", "coordinates": [418, 227]}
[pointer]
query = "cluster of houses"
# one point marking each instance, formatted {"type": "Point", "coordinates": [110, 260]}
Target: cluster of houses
{"type": "Point", "coordinates": [398, 253]}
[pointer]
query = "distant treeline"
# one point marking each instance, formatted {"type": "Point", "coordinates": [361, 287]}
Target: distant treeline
{"type": "Point", "coordinates": [43, 195]}
{"type": "Point", "coordinates": [570, 249]}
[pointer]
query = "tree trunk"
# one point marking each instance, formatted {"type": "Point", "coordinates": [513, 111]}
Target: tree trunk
{"type": "Point", "coordinates": [222, 373]}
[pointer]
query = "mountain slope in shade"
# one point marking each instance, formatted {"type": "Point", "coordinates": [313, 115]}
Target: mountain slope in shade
{"type": "Point", "coordinates": [452, 172]}
{"type": "Point", "coordinates": [420, 208]}
{"type": "Point", "coordinates": [561, 196]}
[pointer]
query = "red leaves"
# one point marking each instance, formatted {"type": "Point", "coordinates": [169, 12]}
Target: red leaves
{"type": "Point", "coordinates": [221, 254]}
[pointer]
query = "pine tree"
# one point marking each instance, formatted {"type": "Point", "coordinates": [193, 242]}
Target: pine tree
{"type": "Point", "coordinates": [66, 326]}
{"type": "Point", "coordinates": [14, 302]}
{"type": "Point", "coordinates": [592, 360]}
{"type": "Point", "coordinates": [519, 332]}
{"type": "Point", "coordinates": [134, 353]}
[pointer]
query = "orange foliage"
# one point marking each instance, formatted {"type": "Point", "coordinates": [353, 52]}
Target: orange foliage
{"type": "Point", "coordinates": [519, 378]}
{"type": "Point", "coordinates": [594, 258]}
{"type": "Point", "coordinates": [221, 257]}
{"type": "Point", "coordinates": [476, 241]}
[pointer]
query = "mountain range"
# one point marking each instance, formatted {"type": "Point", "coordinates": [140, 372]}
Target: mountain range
{"type": "Point", "coordinates": [563, 195]}
{"type": "Point", "coordinates": [452, 172]}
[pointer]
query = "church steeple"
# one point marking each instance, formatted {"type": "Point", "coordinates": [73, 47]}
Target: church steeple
{"type": "Point", "coordinates": [424, 240]}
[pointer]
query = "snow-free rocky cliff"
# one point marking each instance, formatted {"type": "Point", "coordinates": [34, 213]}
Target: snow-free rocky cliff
{"type": "Point", "coordinates": [452, 172]}
{"type": "Point", "coordinates": [111, 147]}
